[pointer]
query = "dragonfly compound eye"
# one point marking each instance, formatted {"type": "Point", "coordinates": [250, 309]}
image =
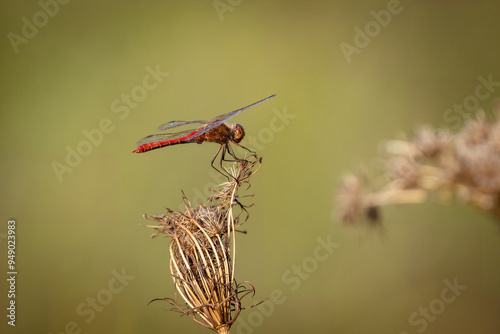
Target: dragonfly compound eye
{"type": "Point", "coordinates": [238, 133]}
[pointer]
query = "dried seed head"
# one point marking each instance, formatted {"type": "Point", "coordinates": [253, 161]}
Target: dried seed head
{"type": "Point", "coordinates": [477, 152]}
{"type": "Point", "coordinates": [354, 205]}
{"type": "Point", "coordinates": [404, 170]}
{"type": "Point", "coordinates": [466, 163]}
{"type": "Point", "coordinates": [202, 253]}
{"type": "Point", "coordinates": [430, 142]}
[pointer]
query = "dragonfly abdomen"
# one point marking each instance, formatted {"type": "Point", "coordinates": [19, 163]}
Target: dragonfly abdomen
{"type": "Point", "coordinates": [159, 144]}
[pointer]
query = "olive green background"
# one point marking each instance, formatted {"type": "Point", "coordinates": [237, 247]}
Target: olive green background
{"type": "Point", "coordinates": [75, 232]}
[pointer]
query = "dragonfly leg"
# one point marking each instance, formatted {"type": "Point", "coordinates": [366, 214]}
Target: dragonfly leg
{"type": "Point", "coordinates": [231, 152]}
{"type": "Point", "coordinates": [223, 149]}
{"type": "Point", "coordinates": [253, 152]}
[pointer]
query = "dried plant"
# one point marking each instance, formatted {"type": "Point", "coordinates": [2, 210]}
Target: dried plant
{"type": "Point", "coordinates": [202, 252]}
{"type": "Point", "coordinates": [434, 164]}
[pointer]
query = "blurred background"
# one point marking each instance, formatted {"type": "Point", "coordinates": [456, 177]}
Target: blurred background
{"type": "Point", "coordinates": [82, 82]}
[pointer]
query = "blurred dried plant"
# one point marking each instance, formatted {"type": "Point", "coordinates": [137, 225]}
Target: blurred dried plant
{"type": "Point", "coordinates": [464, 166]}
{"type": "Point", "coordinates": [202, 252]}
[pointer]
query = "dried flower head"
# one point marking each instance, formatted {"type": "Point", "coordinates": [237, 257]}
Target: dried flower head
{"type": "Point", "coordinates": [352, 199]}
{"type": "Point", "coordinates": [202, 252]}
{"type": "Point", "coordinates": [465, 165]}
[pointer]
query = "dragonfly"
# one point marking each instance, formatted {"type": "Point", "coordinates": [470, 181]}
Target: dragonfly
{"type": "Point", "coordinates": [215, 130]}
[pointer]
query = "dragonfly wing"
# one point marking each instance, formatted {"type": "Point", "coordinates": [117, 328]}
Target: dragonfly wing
{"type": "Point", "coordinates": [166, 136]}
{"type": "Point", "coordinates": [174, 124]}
{"type": "Point", "coordinates": [216, 121]}
{"type": "Point", "coordinates": [223, 118]}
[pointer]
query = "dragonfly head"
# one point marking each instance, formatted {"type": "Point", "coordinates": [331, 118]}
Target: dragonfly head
{"type": "Point", "coordinates": [238, 133]}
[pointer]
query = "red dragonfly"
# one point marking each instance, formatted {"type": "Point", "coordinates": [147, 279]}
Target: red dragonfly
{"type": "Point", "coordinates": [215, 131]}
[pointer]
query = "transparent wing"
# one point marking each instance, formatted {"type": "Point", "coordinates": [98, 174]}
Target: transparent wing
{"type": "Point", "coordinates": [174, 124]}
{"type": "Point", "coordinates": [167, 136]}
{"type": "Point", "coordinates": [216, 121]}
{"type": "Point", "coordinates": [223, 118]}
